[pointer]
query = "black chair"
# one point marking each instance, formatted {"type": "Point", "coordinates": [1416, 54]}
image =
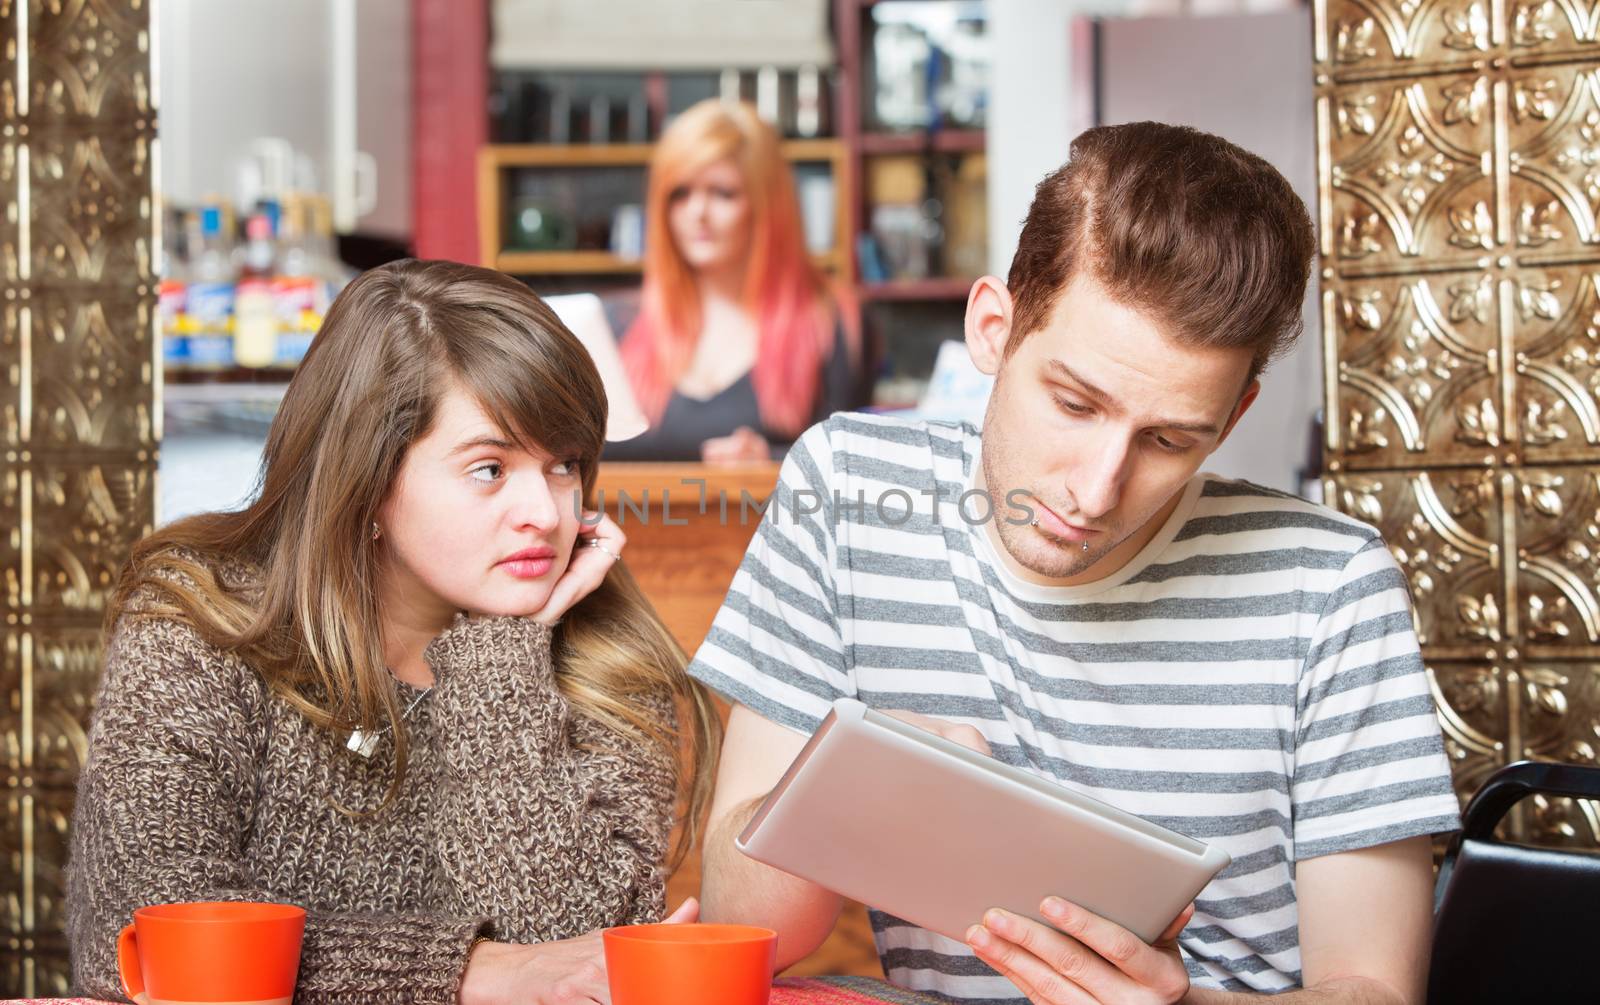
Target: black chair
{"type": "Point", "coordinates": [1514, 923]}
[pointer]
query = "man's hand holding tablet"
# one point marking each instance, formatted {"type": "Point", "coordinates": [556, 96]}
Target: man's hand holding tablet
{"type": "Point", "coordinates": [1083, 958]}
{"type": "Point", "coordinates": [1027, 870]}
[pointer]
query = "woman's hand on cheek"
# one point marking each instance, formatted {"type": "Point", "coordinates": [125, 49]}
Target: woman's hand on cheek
{"type": "Point", "coordinates": [598, 547]}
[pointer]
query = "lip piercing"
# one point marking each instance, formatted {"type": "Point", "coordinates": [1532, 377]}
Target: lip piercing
{"type": "Point", "coordinates": [1035, 522]}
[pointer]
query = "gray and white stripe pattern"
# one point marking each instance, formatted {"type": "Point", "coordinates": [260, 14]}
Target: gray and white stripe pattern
{"type": "Point", "coordinates": [1251, 679]}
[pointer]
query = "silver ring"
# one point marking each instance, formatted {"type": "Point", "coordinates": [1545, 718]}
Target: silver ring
{"type": "Point", "coordinates": [595, 542]}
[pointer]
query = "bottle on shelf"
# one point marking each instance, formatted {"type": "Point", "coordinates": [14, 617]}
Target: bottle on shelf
{"type": "Point", "coordinates": [255, 318]}
{"type": "Point", "coordinates": [210, 293]}
{"type": "Point", "coordinates": [323, 249]}
{"type": "Point", "coordinates": [296, 291]}
{"type": "Point", "coordinates": [172, 295]}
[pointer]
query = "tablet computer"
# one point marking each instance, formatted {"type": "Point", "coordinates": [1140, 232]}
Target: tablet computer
{"type": "Point", "coordinates": [929, 831]}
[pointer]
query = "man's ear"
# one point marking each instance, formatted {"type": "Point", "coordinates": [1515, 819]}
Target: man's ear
{"type": "Point", "coordinates": [1245, 401]}
{"type": "Point", "coordinates": [988, 323]}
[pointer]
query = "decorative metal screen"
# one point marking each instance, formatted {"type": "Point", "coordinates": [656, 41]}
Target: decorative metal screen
{"type": "Point", "coordinates": [1459, 178]}
{"type": "Point", "coordinates": [78, 417]}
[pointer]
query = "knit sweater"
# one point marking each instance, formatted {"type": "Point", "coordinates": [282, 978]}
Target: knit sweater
{"type": "Point", "coordinates": [517, 819]}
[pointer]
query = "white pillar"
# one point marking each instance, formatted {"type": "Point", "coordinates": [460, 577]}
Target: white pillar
{"type": "Point", "coordinates": [1033, 106]}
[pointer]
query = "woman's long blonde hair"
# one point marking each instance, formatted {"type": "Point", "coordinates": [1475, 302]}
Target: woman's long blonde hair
{"type": "Point", "coordinates": [370, 387]}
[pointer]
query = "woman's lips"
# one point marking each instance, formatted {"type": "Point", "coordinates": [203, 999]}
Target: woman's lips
{"type": "Point", "coordinates": [529, 564]}
{"type": "Point", "coordinates": [528, 568]}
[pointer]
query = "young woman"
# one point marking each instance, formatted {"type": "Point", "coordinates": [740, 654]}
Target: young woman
{"type": "Point", "coordinates": [738, 346]}
{"type": "Point", "coordinates": [409, 687]}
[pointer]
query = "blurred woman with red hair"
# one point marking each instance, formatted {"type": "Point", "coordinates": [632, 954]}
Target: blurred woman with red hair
{"type": "Point", "coordinates": [738, 345]}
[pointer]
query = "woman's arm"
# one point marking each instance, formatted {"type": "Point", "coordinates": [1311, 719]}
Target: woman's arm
{"type": "Point", "coordinates": [548, 822]}
{"type": "Point", "coordinates": [164, 808]}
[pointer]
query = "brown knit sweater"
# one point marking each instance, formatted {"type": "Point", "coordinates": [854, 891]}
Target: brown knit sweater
{"type": "Point", "coordinates": [517, 819]}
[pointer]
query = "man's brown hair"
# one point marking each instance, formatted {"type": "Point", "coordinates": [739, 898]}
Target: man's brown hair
{"type": "Point", "coordinates": [1206, 239]}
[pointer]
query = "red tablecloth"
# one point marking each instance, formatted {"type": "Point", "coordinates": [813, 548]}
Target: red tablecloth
{"type": "Point", "coordinates": [843, 991]}
{"type": "Point", "coordinates": [787, 991]}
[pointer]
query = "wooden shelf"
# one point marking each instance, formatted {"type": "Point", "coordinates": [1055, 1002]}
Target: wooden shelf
{"type": "Point", "coordinates": [565, 262]}
{"type": "Point", "coordinates": [229, 376]}
{"type": "Point", "coordinates": [495, 160]}
{"type": "Point", "coordinates": [595, 263]}
{"type": "Point", "coordinates": [558, 155]}
{"type": "Point", "coordinates": [953, 141]}
{"type": "Point", "coordinates": [941, 288]}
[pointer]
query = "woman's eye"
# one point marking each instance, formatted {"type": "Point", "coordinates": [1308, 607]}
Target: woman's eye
{"type": "Point", "coordinates": [487, 473]}
{"type": "Point", "coordinates": [565, 469]}
{"type": "Point", "coordinates": [1168, 445]}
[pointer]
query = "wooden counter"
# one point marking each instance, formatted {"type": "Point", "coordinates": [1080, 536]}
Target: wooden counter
{"type": "Point", "coordinates": [684, 558]}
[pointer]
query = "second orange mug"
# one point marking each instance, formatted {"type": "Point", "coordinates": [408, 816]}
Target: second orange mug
{"type": "Point", "coordinates": [218, 953]}
{"type": "Point", "coordinates": [690, 964]}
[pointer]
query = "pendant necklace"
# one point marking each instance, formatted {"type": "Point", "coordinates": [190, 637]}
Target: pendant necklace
{"type": "Point", "coordinates": [365, 743]}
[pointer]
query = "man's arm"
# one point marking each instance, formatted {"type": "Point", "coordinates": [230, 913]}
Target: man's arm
{"type": "Point", "coordinates": [1365, 919]}
{"type": "Point", "coordinates": [736, 888]}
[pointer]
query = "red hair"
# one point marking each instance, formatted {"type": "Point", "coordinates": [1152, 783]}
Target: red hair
{"type": "Point", "coordinates": [783, 291]}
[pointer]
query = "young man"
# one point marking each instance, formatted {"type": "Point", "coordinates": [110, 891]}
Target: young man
{"type": "Point", "coordinates": [1068, 593]}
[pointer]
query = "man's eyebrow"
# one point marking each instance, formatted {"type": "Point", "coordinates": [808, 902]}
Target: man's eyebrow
{"type": "Point", "coordinates": [1197, 428]}
{"type": "Point", "coordinates": [1061, 369]}
{"type": "Point", "coordinates": [492, 442]}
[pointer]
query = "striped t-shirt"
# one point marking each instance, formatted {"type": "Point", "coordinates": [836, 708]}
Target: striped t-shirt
{"type": "Point", "coordinates": [1250, 679]}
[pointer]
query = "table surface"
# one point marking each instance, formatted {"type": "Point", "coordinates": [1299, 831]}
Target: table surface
{"type": "Point", "coordinates": [844, 991]}
{"type": "Point", "coordinates": [785, 991]}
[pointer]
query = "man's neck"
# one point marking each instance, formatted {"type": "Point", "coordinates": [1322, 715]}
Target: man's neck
{"type": "Point", "coordinates": [1109, 564]}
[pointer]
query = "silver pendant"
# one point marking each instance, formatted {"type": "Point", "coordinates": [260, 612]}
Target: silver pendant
{"type": "Point", "coordinates": [363, 742]}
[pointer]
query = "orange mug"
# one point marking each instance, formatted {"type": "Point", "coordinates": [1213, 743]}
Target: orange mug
{"type": "Point", "coordinates": [211, 953]}
{"type": "Point", "coordinates": [690, 964]}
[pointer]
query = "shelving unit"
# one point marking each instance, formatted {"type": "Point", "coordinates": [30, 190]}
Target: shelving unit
{"type": "Point", "coordinates": [945, 141]}
{"type": "Point", "coordinates": [497, 162]}
{"type": "Point", "coordinates": [904, 317]}
{"type": "Point", "coordinates": [851, 20]}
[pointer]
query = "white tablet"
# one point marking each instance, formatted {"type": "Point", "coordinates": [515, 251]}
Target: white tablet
{"type": "Point", "coordinates": [912, 824]}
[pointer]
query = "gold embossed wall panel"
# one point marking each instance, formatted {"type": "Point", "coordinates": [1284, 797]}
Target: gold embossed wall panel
{"type": "Point", "coordinates": [1443, 528]}
{"type": "Point", "coordinates": [1459, 193]}
{"type": "Point", "coordinates": [1474, 713]}
{"type": "Point", "coordinates": [1418, 369]}
{"type": "Point", "coordinates": [1558, 561]}
{"type": "Point", "coordinates": [77, 416]}
{"type": "Point", "coordinates": [1555, 338]}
